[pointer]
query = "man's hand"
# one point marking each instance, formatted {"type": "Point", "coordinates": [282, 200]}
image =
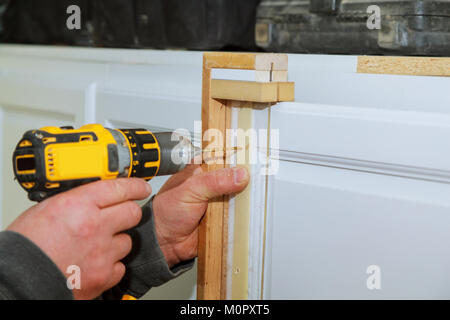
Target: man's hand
{"type": "Point", "coordinates": [182, 202]}
{"type": "Point", "coordinates": [83, 227]}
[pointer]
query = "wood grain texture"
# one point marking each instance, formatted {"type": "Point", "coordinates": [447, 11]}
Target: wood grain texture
{"type": "Point", "coordinates": [252, 91]}
{"type": "Point", "coordinates": [210, 251]}
{"type": "Point", "coordinates": [225, 226]}
{"type": "Point", "coordinates": [247, 61]}
{"type": "Point", "coordinates": [417, 66]}
{"type": "Point", "coordinates": [209, 270]}
{"type": "Point", "coordinates": [242, 209]}
{"type": "Point", "coordinates": [216, 114]}
{"type": "Point", "coordinates": [285, 91]}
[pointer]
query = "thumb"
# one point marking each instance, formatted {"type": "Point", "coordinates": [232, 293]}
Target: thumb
{"type": "Point", "coordinates": [209, 185]}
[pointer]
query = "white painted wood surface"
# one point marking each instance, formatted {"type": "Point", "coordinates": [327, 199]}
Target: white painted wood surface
{"type": "Point", "coordinates": [363, 180]}
{"type": "Point", "coordinates": [41, 86]}
{"type": "Point", "coordinates": [359, 187]}
{"type": "Point", "coordinates": [364, 163]}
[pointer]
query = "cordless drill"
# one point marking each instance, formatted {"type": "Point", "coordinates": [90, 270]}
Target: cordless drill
{"type": "Point", "coordinates": [56, 159]}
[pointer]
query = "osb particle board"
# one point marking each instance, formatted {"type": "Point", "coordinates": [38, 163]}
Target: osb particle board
{"type": "Point", "coordinates": [417, 66]}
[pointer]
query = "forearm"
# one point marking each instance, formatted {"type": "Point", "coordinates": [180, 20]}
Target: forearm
{"type": "Point", "coordinates": [26, 272]}
{"type": "Point", "coordinates": [146, 264]}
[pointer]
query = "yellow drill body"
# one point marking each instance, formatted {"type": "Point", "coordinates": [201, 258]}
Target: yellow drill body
{"type": "Point", "coordinates": [52, 160]}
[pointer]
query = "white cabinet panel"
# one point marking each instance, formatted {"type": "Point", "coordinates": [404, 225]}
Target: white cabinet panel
{"type": "Point", "coordinates": [154, 112]}
{"type": "Point", "coordinates": [399, 142]}
{"type": "Point", "coordinates": [358, 187]}
{"type": "Point", "coordinates": [329, 225]}
{"type": "Point", "coordinates": [128, 109]}
{"type": "Point", "coordinates": [329, 79]}
{"type": "Point", "coordinates": [42, 86]}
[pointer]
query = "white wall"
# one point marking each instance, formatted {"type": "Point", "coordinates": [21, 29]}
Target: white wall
{"type": "Point", "coordinates": [42, 86]}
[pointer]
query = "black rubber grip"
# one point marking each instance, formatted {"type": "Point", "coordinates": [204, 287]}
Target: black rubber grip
{"type": "Point", "coordinates": [139, 155]}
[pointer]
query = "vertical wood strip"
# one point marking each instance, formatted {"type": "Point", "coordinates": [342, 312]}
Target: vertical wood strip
{"type": "Point", "coordinates": [239, 287]}
{"type": "Point", "coordinates": [213, 230]}
{"type": "Point", "coordinates": [268, 146]}
{"type": "Point", "coordinates": [226, 200]}
{"type": "Point", "coordinates": [211, 226]}
{"type": "Point", "coordinates": [223, 284]}
{"type": "Point", "coordinates": [211, 244]}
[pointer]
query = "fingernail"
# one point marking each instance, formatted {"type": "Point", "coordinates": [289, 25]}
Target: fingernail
{"type": "Point", "coordinates": [240, 175]}
{"type": "Point", "coordinates": [149, 188]}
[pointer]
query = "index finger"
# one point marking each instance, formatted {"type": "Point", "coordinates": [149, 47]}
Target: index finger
{"type": "Point", "coordinates": [106, 193]}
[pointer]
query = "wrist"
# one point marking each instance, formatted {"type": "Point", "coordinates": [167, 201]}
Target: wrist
{"type": "Point", "coordinates": [171, 258]}
{"type": "Point", "coordinates": [164, 244]}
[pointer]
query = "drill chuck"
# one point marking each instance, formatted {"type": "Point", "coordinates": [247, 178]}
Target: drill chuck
{"type": "Point", "coordinates": [176, 152]}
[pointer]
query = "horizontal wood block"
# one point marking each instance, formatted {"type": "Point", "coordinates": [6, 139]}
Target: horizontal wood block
{"type": "Point", "coordinates": [417, 66]}
{"type": "Point", "coordinates": [252, 91]}
{"type": "Point", "coordinates": [286, 91]}
{"type": "Point", "coordinates": [246, 61]}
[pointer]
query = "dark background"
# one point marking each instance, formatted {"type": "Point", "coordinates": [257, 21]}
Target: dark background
{"type": "Point", "coordinates": [189, 24]}
{"type": "Point", "coordinates": [408, 27]}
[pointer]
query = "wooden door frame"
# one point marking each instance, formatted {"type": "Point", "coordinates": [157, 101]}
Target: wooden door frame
{"type": "Point", "coordinates": [218, 277]}
{"type": "Point", "coordinates": [220, 99]}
